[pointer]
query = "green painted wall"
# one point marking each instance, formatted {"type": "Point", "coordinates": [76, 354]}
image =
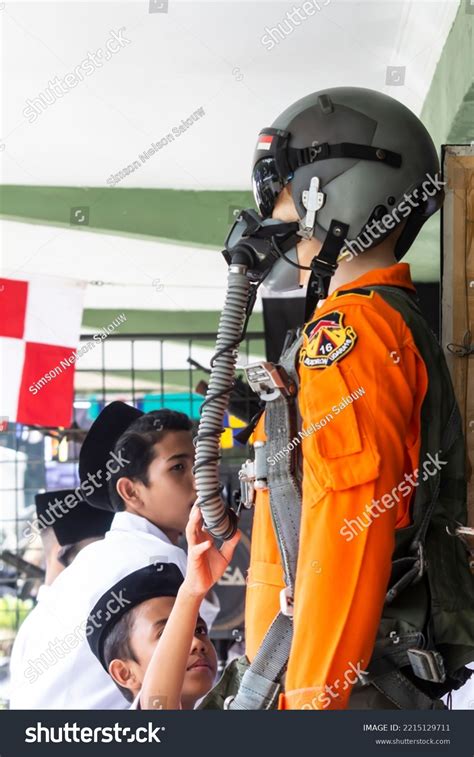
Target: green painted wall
{"type": "Point", "coordinates": [164, 321]}
{"type": "Point", "coordinates": [448, 108]}
{"type": "Point", "coordinates": [200, 218]}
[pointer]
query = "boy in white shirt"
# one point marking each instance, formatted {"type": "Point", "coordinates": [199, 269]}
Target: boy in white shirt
{"type": "Point", "coordinates": [157, 648]}
{"type": "Point", "coordinates": [140, 467]}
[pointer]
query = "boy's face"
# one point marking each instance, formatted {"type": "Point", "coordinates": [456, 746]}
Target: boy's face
{"type": "Point", "coordinates": [171, 493]}
{"type": "Point", "coordinates": [149, 621]}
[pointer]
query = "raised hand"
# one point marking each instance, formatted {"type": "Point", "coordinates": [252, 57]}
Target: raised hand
{"type": "Point", "coordinates": [206, 563]}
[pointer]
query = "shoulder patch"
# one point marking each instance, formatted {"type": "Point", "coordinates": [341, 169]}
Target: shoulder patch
{"type": "Point", "coordinates": [326, 340]}
{"type": "Point", "coordinates": [360, 292]}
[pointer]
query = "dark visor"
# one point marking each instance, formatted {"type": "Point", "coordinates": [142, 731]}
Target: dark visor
{"type": "Point", "coordinates": [270, 169]}
{"type": "Point", "coordinates": [267, 185]}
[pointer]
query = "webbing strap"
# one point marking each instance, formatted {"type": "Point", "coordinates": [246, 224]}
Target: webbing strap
{"type": "Point", "coordinates": [283, 484]}
{"type": "Point", "coordinates": [261, 682]}
{"type": "Point", "coordinates": [301, 156]}
{"type": "Point", "coordinates": [391, 653]}
{"type": "Point", "coordinates": [285, 494]}
{"type": "Point", "coordinates": [404, 694]}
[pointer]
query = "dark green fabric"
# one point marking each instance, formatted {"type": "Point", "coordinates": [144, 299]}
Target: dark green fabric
{"type": "Point", "coordinates": [441, 604]}
{"type": "Point", "coordinates": [227, 685]}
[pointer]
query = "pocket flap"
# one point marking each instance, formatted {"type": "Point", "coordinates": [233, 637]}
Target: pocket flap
{"type": "Point", "coordinates": [340, 448]}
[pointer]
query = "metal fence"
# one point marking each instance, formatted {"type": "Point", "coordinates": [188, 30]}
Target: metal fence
{"type": "Point", "coordinates": [148, 371]}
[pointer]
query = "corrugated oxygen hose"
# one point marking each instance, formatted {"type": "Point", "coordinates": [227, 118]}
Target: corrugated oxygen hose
{"type": "Point", "coordinates": [217, 519]}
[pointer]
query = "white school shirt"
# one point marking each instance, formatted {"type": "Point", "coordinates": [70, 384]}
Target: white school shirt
{"type": "Point", "coordinates": [463, 698]}
{"type": "Point", "coordinates": [28, 629]}
{"type": "Point", "coordinates": [136, 704]}
{"type": "Point", "coordinates": [58, 669]}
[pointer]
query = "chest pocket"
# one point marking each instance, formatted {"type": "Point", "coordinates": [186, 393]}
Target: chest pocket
{"type": "Point", "coordinates": [339, 445]}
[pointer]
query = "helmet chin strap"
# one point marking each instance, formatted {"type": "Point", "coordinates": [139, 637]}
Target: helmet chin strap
{"type": "Point", "coordinates": [324, 266]}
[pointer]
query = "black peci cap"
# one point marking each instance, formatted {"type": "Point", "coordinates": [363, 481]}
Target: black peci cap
{"type": "Point", "coordinates": [98, 446]}
{"type": "Point", "coordinates": [71, 518]}
{"type": "Point", "coordinates": [161, 579]}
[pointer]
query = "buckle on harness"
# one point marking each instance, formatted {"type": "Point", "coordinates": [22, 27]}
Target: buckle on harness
{"type": "Point", "coordinates": [247, 484]}
{"type": "Point", "coordinates": [252, 476]}
{"type": "Point", "coordinates": [421, 562]}
{"type": "Point", "coordinates": [269, 381]}
{"type": "Point", "coordinates": [427, 665]}
{"type": "Point", "coordinates": [286, 602]}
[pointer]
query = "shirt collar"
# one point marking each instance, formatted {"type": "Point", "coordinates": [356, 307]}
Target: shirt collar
{"type": "Point", "coordinates": [42, 592]}
{"type": "Point", "coordinates": [397, 275]}
{"type": "Point", "coordinates": [124, 521]}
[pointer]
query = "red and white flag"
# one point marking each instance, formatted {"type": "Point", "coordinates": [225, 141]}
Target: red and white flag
{"type": "Point", "coordinates": [264, 142]}
{"type": "Point", "coordinates": [40, 321]}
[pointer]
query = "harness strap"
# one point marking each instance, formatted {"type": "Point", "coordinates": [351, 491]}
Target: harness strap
{"type": "Point", "coordinates": [391, 653]}
{"type": "Point", "coordinates": [285, 496]}
{"type": "Point", "coordinates": [283, 483]}
{"type": "Point", "coordinates": [260, 684]}
{"type": "Point", "coordinates": [404, 694]}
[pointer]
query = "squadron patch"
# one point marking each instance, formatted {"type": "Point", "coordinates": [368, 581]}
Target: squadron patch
{"type": "Point", "coordinates": [326, 340]}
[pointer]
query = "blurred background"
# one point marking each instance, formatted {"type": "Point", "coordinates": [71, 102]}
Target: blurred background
{"type": "Point", "coordinates": [127, 135]}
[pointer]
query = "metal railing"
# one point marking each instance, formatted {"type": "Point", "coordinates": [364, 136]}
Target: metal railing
{"type": "Point", "coordinates": [143, 369]}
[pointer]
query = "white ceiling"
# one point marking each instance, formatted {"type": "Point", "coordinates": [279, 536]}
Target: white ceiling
{"type": "Point", "coordinates": [205, 54]}
{"type": "Point", "coordinates": [199, 54]}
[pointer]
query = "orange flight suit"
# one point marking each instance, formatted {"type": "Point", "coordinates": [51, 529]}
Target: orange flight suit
{"type": "Point", "coordinates": [354, 493]}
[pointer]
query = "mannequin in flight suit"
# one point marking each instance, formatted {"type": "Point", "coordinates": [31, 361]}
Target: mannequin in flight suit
{"type": "Point", "coordinates": [342, 583]}
{"type": "Point", "coordinates": [362, 373]}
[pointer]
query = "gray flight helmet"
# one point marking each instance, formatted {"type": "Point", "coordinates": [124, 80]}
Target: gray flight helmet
{"type": "Point", "coordinates": [359, 191]}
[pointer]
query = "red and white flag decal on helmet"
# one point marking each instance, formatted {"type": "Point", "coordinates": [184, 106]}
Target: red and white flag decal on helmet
{"type": "Point", "coordinates": [264, 141]}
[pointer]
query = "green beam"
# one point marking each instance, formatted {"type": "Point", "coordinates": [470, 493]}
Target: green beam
{"type": "Point", "coordinates": [183, 216]}
{"type": "Point", "coordinates": [448, 108]}
{"type": "Point", "coordinates": [163, 321]}
{"type": "Point", "coordinates": [448, 114]}
{"type": "Point", "coordinates": [462, 129]}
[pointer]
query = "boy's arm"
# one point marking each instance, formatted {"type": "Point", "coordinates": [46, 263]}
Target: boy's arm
{"type": "Point", "coordinates": [164, 677]}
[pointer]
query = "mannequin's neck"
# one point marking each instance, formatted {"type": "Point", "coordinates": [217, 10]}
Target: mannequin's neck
{"type": "Point", "coordinates": [350, 270]}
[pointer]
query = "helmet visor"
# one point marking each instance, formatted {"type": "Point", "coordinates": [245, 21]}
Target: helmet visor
{"type": "Point", "coordinates": [270, 169]}
{"type": "Point", "coordinates": [267, 185]}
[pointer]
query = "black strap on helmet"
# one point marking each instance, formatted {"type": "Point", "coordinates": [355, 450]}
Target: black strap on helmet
{"type": "Point", "coordinates": [288, 159]}
{"type": "Point", "coordinates": [302, 156]}
{"type": "Point", "coordinates": [324, 266]}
